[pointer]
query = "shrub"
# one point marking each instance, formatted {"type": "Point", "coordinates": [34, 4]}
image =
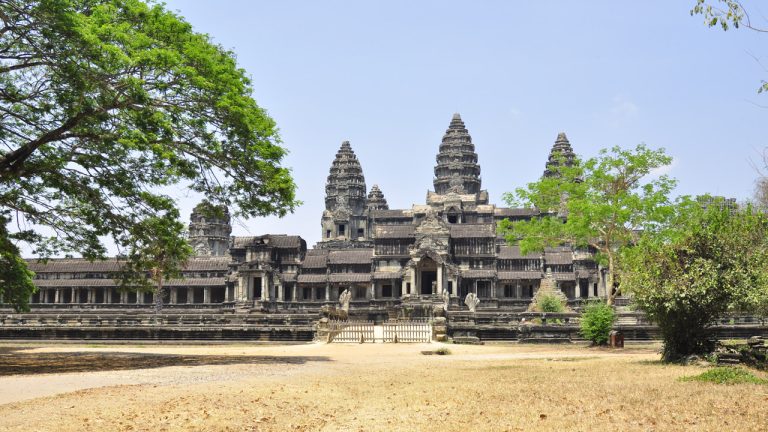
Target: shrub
{"type": "Point", "coordinates": [596, 322]}
{"type": "Point", "coordinates": [550, 303]}
{"type": "Point", "coordinates": [726, 375]}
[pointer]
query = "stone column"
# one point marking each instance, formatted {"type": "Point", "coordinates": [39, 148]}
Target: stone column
{"type": "Point", "coordinates": [327, 291]}
{"type": "Point", "coordinates": [107, 295]}
{"type": "Point", "coordinates": [57, 295]}
{"type": "Point", "coordinates": [264, 288]}
{"type": "Point", "coordinates": [413, 282]}
{"type": "Point", "coordinates": [207, 295]}
{"type": "Point", "coordinates": [373, 290]}
{"type": "Point", "coordinates": [123, 297]}
{"type": "Point", "coordinates": [439, 279]}
{"type": "Point", "coordinates": [174, 295]}
{"type": "Point", "coordinates": [190, 295]}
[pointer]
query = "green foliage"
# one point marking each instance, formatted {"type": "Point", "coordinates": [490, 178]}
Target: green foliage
{"type": "Point", "coordinates": [706, 263]}
{"type": "Point", "coordinates": [601, 203]}
{"type": "Point", "coordinates": [550, 303]}
{"type": "Point", "coordinates": [726, 375]}
{"type": "Point", "coordinates": [596, 322]}
{"type": "Point", "coordinates": [15, 278]}
{"type": "Point", "coordinates": [731, 13]}
{"type": "Point", "coordinates": [105, 102]}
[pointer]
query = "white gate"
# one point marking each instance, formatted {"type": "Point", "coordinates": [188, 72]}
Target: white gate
{"type": "Point", "coordinates": [391, 331]}
{"type": "Point", "coordinates": [351, 331]}
{"type": "Point", "coordinates": [407, 331]}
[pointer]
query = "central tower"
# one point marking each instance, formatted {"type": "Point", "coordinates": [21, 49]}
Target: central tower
{"type": "Point", "coordinates": [457, 176]}
{"type": "Point", "coordinates": [457, 169]}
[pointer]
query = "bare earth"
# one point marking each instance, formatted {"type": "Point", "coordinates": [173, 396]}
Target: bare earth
{"type": "Point", "coordinates": [374, 387]}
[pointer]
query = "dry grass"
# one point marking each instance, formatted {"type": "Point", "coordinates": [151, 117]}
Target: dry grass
{"type": "Point", "coordinates": [395, 387]}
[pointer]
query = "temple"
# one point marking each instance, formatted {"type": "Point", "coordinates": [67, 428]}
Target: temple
{"type": "Point", "coordinates": [447, 247]}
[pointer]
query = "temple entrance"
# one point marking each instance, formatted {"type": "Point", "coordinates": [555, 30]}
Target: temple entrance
{"type": "Point", "coordinates": [427, 275]}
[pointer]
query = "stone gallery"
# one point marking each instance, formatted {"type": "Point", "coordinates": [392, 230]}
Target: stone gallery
{"type": "Point", "coordinates": [445, 250]}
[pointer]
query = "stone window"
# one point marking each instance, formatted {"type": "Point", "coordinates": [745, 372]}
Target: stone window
{"type": "Point", "coordinates": [342, 229]}
{"type": "Point", "coordinates": [386, 290]}
{"type": "Point", "coordinates": [484, 289]}
{"type": "Point", "coordinates": [328, 233]}
{"type": "Point", "coordinates": [509, 291]}
{"type": "Point", "coordinates": [359, 292]}
{"type": "Point", "coordinates": [360, 232]}
{"type": "Point", "coordinates": [320, 293]}
{"type": "Point", "coordinates": [306, 293]}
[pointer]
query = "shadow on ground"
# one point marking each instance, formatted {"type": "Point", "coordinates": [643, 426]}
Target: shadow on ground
{"type": "Point", "coordinates": [16, 362]}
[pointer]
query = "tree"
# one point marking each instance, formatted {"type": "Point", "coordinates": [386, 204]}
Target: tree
{"type": "Point", "coordinates": [707, 262]}
{"type": "Point", "coordinates": [104, 102]}
{"type": "Point", "coordinates": [602, 203]}
{"type": "Point", "coordinates": [159, 248]}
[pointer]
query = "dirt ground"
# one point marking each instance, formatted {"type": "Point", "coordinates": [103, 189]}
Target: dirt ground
{"type": "Point", "coordinates": [392, 387]}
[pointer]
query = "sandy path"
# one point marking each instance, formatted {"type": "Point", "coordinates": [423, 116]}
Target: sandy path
{"type": "Point", "coordinates": [385, 388]}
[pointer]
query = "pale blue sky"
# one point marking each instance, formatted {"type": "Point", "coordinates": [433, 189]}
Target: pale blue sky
{"type": "Point", "coordinates": [388, 75]}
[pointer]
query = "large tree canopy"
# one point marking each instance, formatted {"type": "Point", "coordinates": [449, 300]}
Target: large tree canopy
{"type": "Point", "coordinates": [602, 203]}
{"type": "Point", "coordinates": [710, 259]}
{"type": "Point", "coordinates": [103, 102]}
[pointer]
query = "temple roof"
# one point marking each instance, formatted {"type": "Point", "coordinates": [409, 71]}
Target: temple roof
{"type": "Point", "coordinates": [560, 150]}
{"type": "Point", "coordinates": [457, 169]}
{"type": "Point", "coordinates": [473, 231]}
{"type": "Point", "coordinates": [345, 187]}
{"type": "Point", "coordinates": [376, 200]}
{"type": "Point", "coordinates": [81, 265]}
{"type": "Point", "coordinates": [282, 241]}
{"type": "Point", "coordinates": [350, 256]}
{"type": "Point", "coordinates": [513, 252]}
{"type": "Point", "coordinates": [558, 256]}
{"type": "Point", "coordinates": [394, 231]}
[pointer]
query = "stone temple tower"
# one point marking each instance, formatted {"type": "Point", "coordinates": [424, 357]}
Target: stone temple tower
{"type": "Point", "coordinates": [344, 218]}
{"type": "Point", "coordinates": [561, 151]}
{"type": "Point", "coordinates": [376, 200]}
{"type": "Point", "coordinates": [209, 229]}
{"type": "Point", "coordinates": [457, 169]}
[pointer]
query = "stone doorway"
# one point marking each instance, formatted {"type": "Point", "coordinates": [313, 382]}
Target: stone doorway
{"type": "Point", "coordinates": [427, 276]}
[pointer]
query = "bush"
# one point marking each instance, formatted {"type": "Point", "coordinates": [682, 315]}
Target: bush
{"type": "Point", "coordinates": [550, 303]}
{"type": "Point", "coordinates": [596, 322]}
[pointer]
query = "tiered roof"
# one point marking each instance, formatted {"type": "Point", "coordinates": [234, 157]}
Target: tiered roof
{"type": "Point", "coordinates": [376, 200]}
{"type": "Point", "coordinates": [346, 184]}
{"type": "Point", "coordinates": [457, 169]}
{"type": "Point", "coordinates": [560, 150]}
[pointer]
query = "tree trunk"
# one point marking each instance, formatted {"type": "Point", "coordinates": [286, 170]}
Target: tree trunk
{"type": "Point", "coordinates": [609, 281]}
{"type": "Point", "coordinates": [159, 293]}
